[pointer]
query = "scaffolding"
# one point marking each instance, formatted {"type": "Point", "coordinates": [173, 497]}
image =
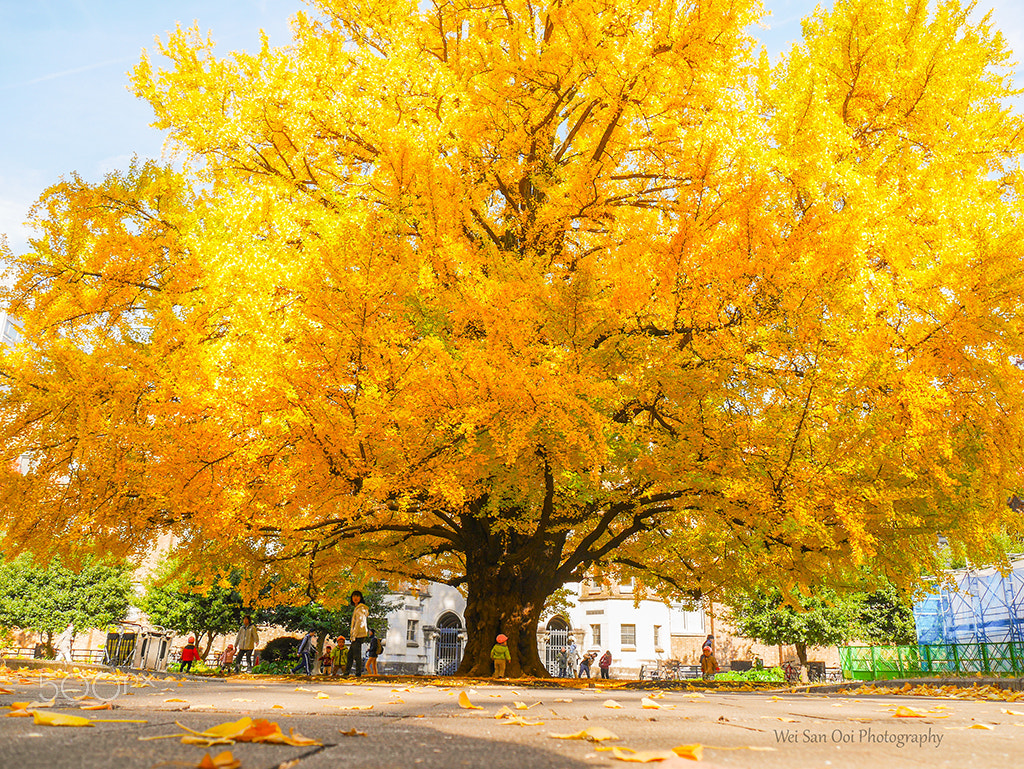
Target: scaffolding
{"type": "Point", "coordinates": [984, 607]}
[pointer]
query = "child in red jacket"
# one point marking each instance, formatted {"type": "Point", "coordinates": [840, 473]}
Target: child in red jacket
{"type": "Point", "coordinates": [189, 655]}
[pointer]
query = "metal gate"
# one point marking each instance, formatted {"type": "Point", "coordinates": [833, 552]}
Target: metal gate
{"type": "Point", "coordinates": [448, 648]}
{"type": "Point", "coordinates": [558, 639]}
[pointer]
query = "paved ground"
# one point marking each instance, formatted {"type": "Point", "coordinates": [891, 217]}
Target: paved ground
{"type": "Point", "coordinates": [408, 724]}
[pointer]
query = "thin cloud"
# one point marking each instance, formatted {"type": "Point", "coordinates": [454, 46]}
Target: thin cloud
{"type": "Point", "coordinates": [66, 72]}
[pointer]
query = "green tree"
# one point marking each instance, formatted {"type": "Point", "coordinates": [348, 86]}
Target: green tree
{"type": "Point", "coordinates": [886, 616]}
{"type": "Point", "coordinates": [187, 605]}
{"type": "Point", "coordinates": [823, 619]}
{"type": "Point", "coordinates": [46, 598]}
{"type": "Point", "coordinates": [331, 622]}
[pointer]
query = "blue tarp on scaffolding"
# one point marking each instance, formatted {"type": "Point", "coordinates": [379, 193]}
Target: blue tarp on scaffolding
{"type": "Point", "coordinates": [985, 607]}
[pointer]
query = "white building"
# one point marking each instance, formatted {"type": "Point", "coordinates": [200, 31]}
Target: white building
{"type": "Point", "coordinates": [427, 632]}
{"type": "Point", "coordinates": [637, 633]}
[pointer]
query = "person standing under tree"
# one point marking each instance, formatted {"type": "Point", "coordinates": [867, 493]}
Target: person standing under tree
{"type": "Point", "coordinates": [572, 659]}
{"type": "Point", "coordinates": [339, 656]}
{"type": "Point", "coordinates": [500, 655]}
{"type": "Point", "coordinates": [189, 655]}
{"type": "Point", "coordinates": [305, 650]}
{"type": "Point", "coordinates": [358, 634]}
{"type": "Point", "coordinates": [227, 657]}
{"type": "Point", "coordinates": [245, 642]}
{"type": "Point", "coordinates": [708, 664]}
{"type": "Point", "coordinates": [374, 648]}
{"type": "Point", "coordinates": [585, 664]}
{"type": "Point", "coordinates": [605, 663]}
{"type": "Point", "coordinates": [64, 643]}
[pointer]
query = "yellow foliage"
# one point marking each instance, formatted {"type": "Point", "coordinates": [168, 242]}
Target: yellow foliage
{"type": "Point", "coordinates": [507, 291]}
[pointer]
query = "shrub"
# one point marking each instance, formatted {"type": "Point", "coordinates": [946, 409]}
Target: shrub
{"type": "Point", "coordinates": [774, 674]}
{"type": "Point", "coordinates": [279, 649]}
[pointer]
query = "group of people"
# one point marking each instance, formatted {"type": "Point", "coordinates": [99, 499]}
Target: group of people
{"type": "Point", "coordinates": [571, 665]}
{"type": "Point", "coordinates": [341, 657]}
{"type": "Point", "coordinates": [567, 655]}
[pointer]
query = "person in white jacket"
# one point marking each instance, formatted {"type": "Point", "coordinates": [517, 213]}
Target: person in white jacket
{"type": "Point", "coordinates": [64, 643]}
{"type": "Point", "coordinates": [359, 633]}
{"type": "Point", "coordinates": [245, 642]}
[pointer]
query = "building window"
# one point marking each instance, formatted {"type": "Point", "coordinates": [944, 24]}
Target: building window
{"type": "Point", "coordinates": [629, 635]}
{"type": "Point", "coordinates": [11, 333]}
{"type": "Point", "coordinates": [657, 636]}
{"type": "Point", "coordinates": [595, 634]}
{"type": "Point", "coordinates": [412, 626]}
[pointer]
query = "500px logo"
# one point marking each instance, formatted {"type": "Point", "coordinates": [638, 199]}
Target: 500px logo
{"type": "Point", "coordinates": [104, 691]}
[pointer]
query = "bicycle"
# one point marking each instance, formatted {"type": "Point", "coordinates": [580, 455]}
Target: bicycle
{"type": "Point", "coordinates": [792, 672]}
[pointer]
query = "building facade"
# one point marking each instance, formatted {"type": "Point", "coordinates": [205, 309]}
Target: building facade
{"type": "Point", "coordinates": [427, 631]}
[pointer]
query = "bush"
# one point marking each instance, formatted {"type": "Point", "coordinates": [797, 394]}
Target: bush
{"type": "Point", "coordinates": [277, 668]}
{"type": "Point", "coordinates": [774, 674]}
{"type": "Point", "coordinates": [199, 668]}
{"type": "Point", "coordinates": [283, 648]}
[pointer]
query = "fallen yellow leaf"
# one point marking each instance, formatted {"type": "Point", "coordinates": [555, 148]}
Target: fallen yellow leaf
{"type": "Point", "coordinates": [352, 733]}
{"type": "Point", "coordinates": [611, 704]}
{"type": "Point", "coordinates": [101, 706]}
{"type": "Point", "coordinates": [224, 760]}
{"type": "Point", "coordinates": [904, 712]}
{"type": "Point", "coordinates": [353, 707]}
{"type": "Point", "coordinates": [649, 704]}
{"type": "Point", "coordinates": [692, 752]}
{"type": "Point", "coordinates": [322, 696]}
{"type": "Point", "coordinates": [205, 742]}
{"type": "Point", "coordinates": [593, 734]}
{"type": "Point", "coordinates": [521, 721]}
{"type": "Point", "coordinates": [175, 699]}
{"type": "Point", "coordinates": [981, 726]}
{"type": "Point", "coordinates": [464, 702]}
{"type": "Point", "coordinates": [642, 756]}
{"type": "Point", "coordinates": [1012, 712]}
{"type": "Point", "coordinates": [59, 719]}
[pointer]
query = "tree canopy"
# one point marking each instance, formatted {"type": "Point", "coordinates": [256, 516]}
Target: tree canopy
{"type": "Point", "coordinates": [495, 294]}
{"type": "Point", "coordinates": [824, 618]}
{"type": "Point", "coordinates": [189, 606]}
{"type": "Point", "coordinates": [46, 598]}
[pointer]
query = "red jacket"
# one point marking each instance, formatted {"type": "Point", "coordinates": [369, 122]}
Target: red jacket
{"type": "Point", "coordinates": [190, 653]}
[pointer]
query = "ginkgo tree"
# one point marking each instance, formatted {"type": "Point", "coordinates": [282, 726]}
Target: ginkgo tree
{"type": "Point", "coordinates": [504, 294]}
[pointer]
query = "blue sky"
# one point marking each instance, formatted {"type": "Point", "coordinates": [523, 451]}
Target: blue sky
{"type": "Point", "coordinates": [63, 79]}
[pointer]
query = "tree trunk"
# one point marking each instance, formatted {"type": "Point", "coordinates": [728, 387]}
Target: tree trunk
{"type": "Point", "coordinates": [801, 653]}
{"type": "Point", "coordinates": [209, 644]}
{"type": "Point", "coordinates": [508, 600]}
